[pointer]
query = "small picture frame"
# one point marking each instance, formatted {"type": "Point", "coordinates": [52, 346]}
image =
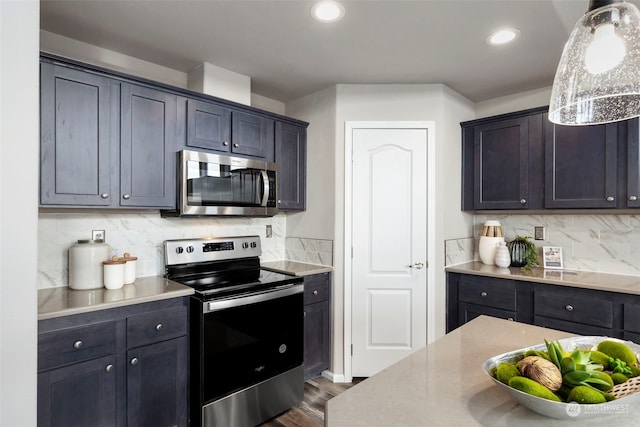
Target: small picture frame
{"type": "Point", "coordinates": [552, 256]}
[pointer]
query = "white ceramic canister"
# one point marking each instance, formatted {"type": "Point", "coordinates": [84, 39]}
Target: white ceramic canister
{"type": "Point", "coordinates": [490, 237]}
{"type": "Point", "coordinates": [129, 268]}
{"type": "Point", "coordinates": [85, 263]}
{"type": "Point", "coordinates": [114, 273]}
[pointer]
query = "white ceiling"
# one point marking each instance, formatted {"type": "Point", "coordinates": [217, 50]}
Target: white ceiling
{"type": "Point", "coordinates": [287, 54]}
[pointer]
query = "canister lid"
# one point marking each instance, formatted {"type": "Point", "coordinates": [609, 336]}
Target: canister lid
{"type": "Point", "coordinates": [127, 257]}
{"type": "Point", "coordinates": [91, 241]}
{"type": "Point", "coordinates": [492, 223]}
{"type": "Point", "coordinates": [113, 261]}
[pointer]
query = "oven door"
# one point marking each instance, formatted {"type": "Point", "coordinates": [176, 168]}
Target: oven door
{"type": "Point", "coordinates": [211, 184]}
{"type": "Point", "coordinates": [249, 339]}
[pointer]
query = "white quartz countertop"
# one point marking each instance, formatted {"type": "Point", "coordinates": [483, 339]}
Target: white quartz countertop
{"type": "Point", "coordinates": [443, 384]}
{"type": "Point", "coordinates": [295, 268]}
{"type": "Point", "coordinates": [581, 279]}
{"type": "Point", "coordinates": [63, 301]}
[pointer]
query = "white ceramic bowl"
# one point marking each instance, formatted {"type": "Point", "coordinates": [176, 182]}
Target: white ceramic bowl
{"type": "Point", "coordinates": [559, 409]}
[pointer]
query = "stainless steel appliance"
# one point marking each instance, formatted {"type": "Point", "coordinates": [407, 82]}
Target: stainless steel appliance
{"type": "Point", "coordinates": [246, 331]}
{"type": "Point", "coordinates": [211, 184]}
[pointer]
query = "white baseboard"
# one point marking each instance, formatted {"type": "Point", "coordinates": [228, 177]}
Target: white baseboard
{"type": "Point", "coordinates": [334, 378]}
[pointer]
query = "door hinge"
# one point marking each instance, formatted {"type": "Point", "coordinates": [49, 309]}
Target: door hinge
{"type": "Point", "coordinates": [352, 349]}
{"type": "Point", "coordinates": [352, 252]}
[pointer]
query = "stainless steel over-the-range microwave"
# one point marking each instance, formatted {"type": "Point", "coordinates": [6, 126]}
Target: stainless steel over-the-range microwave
{"type": "Point", "coordinates": [212, 184]}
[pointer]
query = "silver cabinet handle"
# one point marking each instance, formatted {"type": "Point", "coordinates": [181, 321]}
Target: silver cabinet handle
{"type": "Point", "coordinates": [510, 318]}
{"type": "Point", "coordinates": [315, 292]}
{"type": "Point", "coordinates": [126, 196]}
{"type": "Point", "coordinates": [109, 368]}
{"type": "Point", "coordinates": [134, 361]}
{"type": "Point", "coordinates": [159, 327]}
{"type": "Point", "coordinates": [610, 199]}
{"type": "Point", "coordinates": [633, 198]}
{"type": "Point", "coordinates": [236, 145]}
{"type": "Point", "coordinates": [483, 294]}
{"type": "Point", "coordinates": [523, 201]}
{"type": "Point", "coordinates": [225, 143]}
{"type": "Point", "coordinates": [568, 307]}
{"type": "Point", "coordinates": [78, 345]}
{"type": "Point", "coordinates": [105, 195]}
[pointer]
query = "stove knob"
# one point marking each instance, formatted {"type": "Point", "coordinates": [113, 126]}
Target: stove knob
{"type": "Point", "coordinates": [179, 250]}
{"type": "Point", "coordinates": [190, 249]}
{"type": "Point", "coordinates": [254, 245]}
{"type": "Point", "coordinates": [245, 245]}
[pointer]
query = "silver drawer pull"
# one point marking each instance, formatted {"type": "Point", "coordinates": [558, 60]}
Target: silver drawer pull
{"type": "Point", "coordinates": [523, 201]}
{"type": "Point", "coordinates": [236, 145]}
{"type": "Point", "coordinates": [78, 345]}
{"type": "Point", "coordinates": [610, 199]}
{"type": "Point", "coordinates": [315, 292]}
{"type": "Point", "coordinates": [105, 195]}
{"type": "Point", "coordinates": [633, 198]}
{"type": "Point", "coordinates": [134, 361]}
{"type": "Point", "coordinates": [568, 307]}
{"type": "Point", "coordinates": [483, 294]}
{"type": "Point", "coordinates": [225, 143]}
{"type": "Point", "coordinates": [510, 318]}
{"type": "Point", "coordinates": [126, 196]}
{"type": "Point", "coordinates": [159, 327]}
{"type": "Point", "coordinates": [108, 368]}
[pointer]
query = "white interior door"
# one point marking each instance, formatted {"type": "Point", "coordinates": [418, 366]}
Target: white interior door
{"type": "Point", "coordinates": [389, 241]}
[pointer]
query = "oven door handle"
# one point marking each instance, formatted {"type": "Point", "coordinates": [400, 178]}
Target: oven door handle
{"type": "Point", "coordinates": [279, 292]}
{"type": "Point", "coordinates": [265, 181]}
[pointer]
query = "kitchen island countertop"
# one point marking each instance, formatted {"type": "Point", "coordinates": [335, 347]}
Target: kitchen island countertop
{"type": "Point", "coordinates": [577, 278]}
{"type": "Point", "coordinates": [295, 268]}
{"type": "Point", "coordinates": [63, 301]}
{"type": "Point", "coordinates": [443, 384]}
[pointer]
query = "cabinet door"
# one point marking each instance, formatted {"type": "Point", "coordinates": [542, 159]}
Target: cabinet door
{"type": "Point", "coordinates": [252, 135]}
{"type": "Point", "coordinates": [316, 339]}
{"type": "Point", "coordinates": [208, 126]}
{"type": "Point", "coordinates": [148, 141]}
{"type": "Point", "coordinates": [581, 166]}
{"type": "Point", "coordinates": [633, 163]}
{"type": "Point", "coordinates": [76, 125]}
{"type": "Point", "coordinates": [468, 312]}
{"type": "Point", "coordinates": [79, 395]}
{"type": "Point", "coordinates": [291, 157]}
{"type": "Point", "coordinates": [501, 161]}
{"type": "Point", "coordinates": [157, 384]}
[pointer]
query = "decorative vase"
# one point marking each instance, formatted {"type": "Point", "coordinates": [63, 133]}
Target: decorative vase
{"type": "Point", "coordinates": [502, 255]}
{"type": "Point", "coordinates": [487, 249]}
{"type": "Point", "coordinates": [518, 251]}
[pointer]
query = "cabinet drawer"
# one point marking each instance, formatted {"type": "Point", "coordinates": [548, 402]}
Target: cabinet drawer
{"type": "Point", "coordinates": [156, 326]}
{"type": "Point", "coordinates": [316, 288]}
{"type": "Point", "coordinates": [63, 347]}
{"type": "Point", "coordinates": [576, 305]}
{"type": "Point", "coordinates": [468, 312]}
{"type": "Point", "coordinates": [575, 328]}
{"type": "Point", "coordinates": [489, 292]}
{"type": "Point", "coordinates": [632, 317]}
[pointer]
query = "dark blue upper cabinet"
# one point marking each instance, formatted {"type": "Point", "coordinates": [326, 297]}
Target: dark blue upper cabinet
{"type": "Point", "coordinates": [291, 157]}
{"type": "Point", "coordinates": [581, 166]}
{"type": "Point", "coordinates": [208, 126]}
{"type": "Point", "coordinates": [252, 135]}
{"type": "Point", "coordinates": [147, 144]}
{"type": "Point", "coordinates": [78, 127]}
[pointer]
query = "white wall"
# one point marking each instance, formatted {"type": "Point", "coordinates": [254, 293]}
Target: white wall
{"type": "Point", "coordinates": [516, 102]}
{"type": "Point", "coordinates": [327, 111]}
{"type": "Point", "coordinates": [19, 142]}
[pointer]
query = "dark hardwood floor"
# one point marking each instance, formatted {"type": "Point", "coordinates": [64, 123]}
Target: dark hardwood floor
{"type": "Point", "coordinates": [310, 413]}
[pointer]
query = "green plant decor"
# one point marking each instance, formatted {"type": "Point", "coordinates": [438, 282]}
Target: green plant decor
{"type": "Point", "coordinates": [531, 252]}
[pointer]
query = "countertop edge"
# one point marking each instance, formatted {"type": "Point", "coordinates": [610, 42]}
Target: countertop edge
{"type": "Point", "coordinates": [296, 268]}
{"type": "Point", "coordinates": [608, 282]}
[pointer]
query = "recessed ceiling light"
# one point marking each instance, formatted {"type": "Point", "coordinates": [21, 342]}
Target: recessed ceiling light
{"type": "Point", "coordinates": [503, 36]}
{"type": "Point", "coordinates": [327, 11]}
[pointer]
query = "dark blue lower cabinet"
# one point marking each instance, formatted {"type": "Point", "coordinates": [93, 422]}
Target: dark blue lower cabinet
{"type": "Point", "coordinates": [78, 395]}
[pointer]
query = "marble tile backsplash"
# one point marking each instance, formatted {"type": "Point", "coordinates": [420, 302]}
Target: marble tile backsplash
{"type": "Point", "coordinates": [141, 234]}
{"type": "Point", "coordinates": [314, 251]}
{"type": "Point", "coordinates": [458, 251]}
{"type": "Point", "coordinates": [601, 243]}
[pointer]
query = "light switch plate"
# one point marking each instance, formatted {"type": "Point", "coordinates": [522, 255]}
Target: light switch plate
{"type": "Point", "coordinates": [538, 233]}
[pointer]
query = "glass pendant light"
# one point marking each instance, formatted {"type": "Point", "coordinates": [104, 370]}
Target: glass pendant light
{"type": "Point", "coordinates": [598, 77]}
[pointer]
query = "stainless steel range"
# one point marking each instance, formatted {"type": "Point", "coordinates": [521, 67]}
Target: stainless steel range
{"type": "Point", "coordinates": [246, 331]}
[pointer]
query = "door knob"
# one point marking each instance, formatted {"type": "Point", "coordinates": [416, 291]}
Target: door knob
{"type": "Point", "coordinates": [418, 265]}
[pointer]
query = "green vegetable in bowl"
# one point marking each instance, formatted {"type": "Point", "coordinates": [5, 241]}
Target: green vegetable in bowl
{"type": "Point", "coordinates": [582, 394]}
{"type": "Point", "coordinates": [617, 350]}
{"type": "Point", "coordinates": [506, 371]}
{"type": "Point", "coordinates": [533, 388]}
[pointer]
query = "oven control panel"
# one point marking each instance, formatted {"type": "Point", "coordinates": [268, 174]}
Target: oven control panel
{"type": "Point", "coordinates": [183, 251]}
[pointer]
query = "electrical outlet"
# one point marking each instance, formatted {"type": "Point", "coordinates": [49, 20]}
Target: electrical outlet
{"type": "Point", "coordinates": [98, 235]}
{"type": "Point", "coordinates": [538, 233]}
{"type": "Point", "coordinates": [269, 232]}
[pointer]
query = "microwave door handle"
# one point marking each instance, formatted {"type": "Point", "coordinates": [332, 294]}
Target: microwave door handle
{"type": "Point", "coordinates": [265, 181]}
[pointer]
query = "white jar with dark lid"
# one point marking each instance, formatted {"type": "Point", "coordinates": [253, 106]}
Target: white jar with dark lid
{"type": "Point", "coordinates": [85, 263]}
